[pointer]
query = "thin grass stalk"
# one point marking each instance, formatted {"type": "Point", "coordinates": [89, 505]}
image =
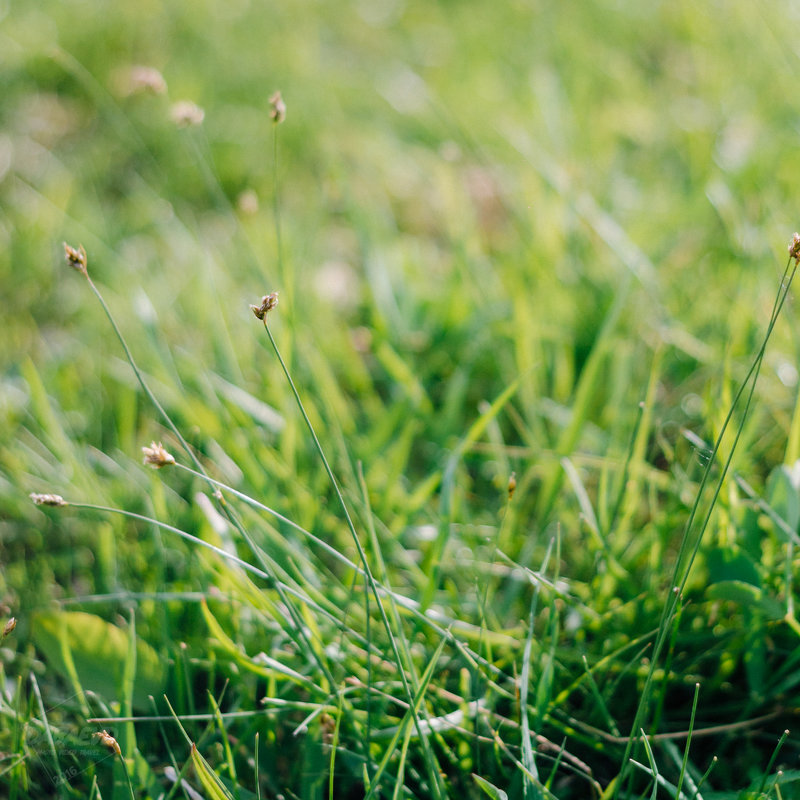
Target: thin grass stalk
{"type": "Point", "coordinates": [688, 744]}
{"type": "Point", "coordinates": [598, 697]}
{"type": "Point", "coordinates": [771, 763]}
{"type": "Point", "coordinates": [384, 577]}
{"type": "Point", "coordinates": [530, 776]}
{"type": "Point", "coordinates": [476, 688]}
{"type": "Point", "coordinates": [704, 777]}
{"type": "Point", "coordinates": [383, 585]}
{"type": "Point", "coordinates": [256, 770]}
{"type": "Point", "coordinates": [351, 527]}
{"type": "Point", "coordinates": [271, 580]}
{"type": "Point", "coordinates": [631, 475]}
{"type": "Point", "coordinates": [296, 622]}
{"type": "Point", "coordinates": [411, 715]}
{"type": "Point", "coordinates": [410, 688]}
{"type": "Point", "coordinates": [653, 766]}
{"type": "Point", "coordinates": [335, 743]}
{"type": "Point", "coordinates": [160, 719]}
{"type": "Point", "coordinates": [623, 491]}
{"type": "Point", "coordinates": [675, 624]}
{"type": "Point", "coordinates": [47, 730]}
{"type": "Point", "coordinates": [683, 564]}
{"type": "Point", "coordinates": [223, 734]}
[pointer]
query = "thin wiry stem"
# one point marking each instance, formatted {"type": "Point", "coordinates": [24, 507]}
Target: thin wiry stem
{"type": "Point", "coordinates": [282, 588]}
{"type": "Point", "coordinates": [410, 688]}
{"type": "Point", "coordinates": [684, 562]}
{"type": "Point", "coordinates": [276, 208]}
{"type": "Point", "coordinates": [348, 519]}
{"type": "Point", "coordinates": [441, 624]}
{"type": "Point", "coordinates": [145, 388]}
{"type": "Point", "coordinates": [77, 259]}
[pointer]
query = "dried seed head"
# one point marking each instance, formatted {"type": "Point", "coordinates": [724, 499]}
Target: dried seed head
{"type": "Point", "coordinates": [48, 499]}
{"type": "Point", "coordinates": [185, 113]}
{"type": "Point", "coordinates": [268, 302]}
{"type": "Point", "coordinates": [247, 202]}
{"type": "Point", "coordinates": [76, 258]}
{"type": "Point", "coordinates": [9, 627]}
{"type": "Point", "coordinates": [794, 247]}
{"type": "Point", "coordinates": [146, 79]}
{"type": "Point", "coordinates": [328, 725]}
{"type": "Point", "coordinates": [512, 484]}
{"type": "Point", "coordinates": [109, 741]}
{"type": "Point", "coordinates": [277, 108]}
{"type": "Point", "coordinates": [156, 456]}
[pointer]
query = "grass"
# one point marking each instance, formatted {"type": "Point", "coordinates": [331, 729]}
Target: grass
{"type": "Point", "coordinates": [519, 240]}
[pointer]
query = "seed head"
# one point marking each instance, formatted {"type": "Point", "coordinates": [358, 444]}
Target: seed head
{"type": "Point", "coordinates": [794, 247]}
{"type": "Point", "coordinates": [9, 627]}
{"type": "Point", "coordinates": [268, 302]}
{"type": "Point", "coordinates": [277, 108]}
{"type": "Point", "coordinates": [147, 79]}
{"type": "Point", "coordinates": [185, 113]}
{"type": "Point", "coordinates": [156, 456]}
{"type": "Point", "coordinates": [109, 741]}
{"type": "Point", "coordinates": [247, 202]}
{"type": "Point", "coordinates": [48, 499]}
{"type": "Point", "coordinates": [76, 258]}
{"type": "Point", "coordinates": [512, 484]}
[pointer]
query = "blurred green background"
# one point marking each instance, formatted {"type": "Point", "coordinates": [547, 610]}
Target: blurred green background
{"type": "Point", "coordinates": [467, 191]}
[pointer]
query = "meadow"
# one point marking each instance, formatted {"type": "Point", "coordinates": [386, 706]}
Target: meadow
{"type": "Point", "coordinates": [429, 429]}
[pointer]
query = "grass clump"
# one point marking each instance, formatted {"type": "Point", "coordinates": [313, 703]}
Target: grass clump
{"type": "Point", "coordinates": [501, 502]}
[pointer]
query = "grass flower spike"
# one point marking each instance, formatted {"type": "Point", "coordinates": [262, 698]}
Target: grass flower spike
{"type": "Point", "coordinates": [794, 247]}
{"type": "Point", "coordinates": [76, 258]}
{"type": "Point", "coordinates": [108, 741]}
{"type": "Point", "coordinates": [268, 302]}
{"type": "Point", "coordinates": [277, 108]}
{"type": "Point", "coordinates": [48, 499]}
{"type": "Point", "coordinates": [156, 456]}
{"type": "Point", "coordinates": [185, 113]}
{"type": "Point", "coordinates": [147, 79]}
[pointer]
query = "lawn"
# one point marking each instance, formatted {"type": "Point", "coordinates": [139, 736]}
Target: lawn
{"type": "Point", "coordinates": [497, 496]}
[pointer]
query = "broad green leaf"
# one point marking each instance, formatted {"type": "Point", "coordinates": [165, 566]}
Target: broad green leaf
{"type": "Point", "coordinates": [98, 651]}
{"type": "Point", "coordinates": [747, 595]}
{"type": "Point", "coordinates": [732, 564]}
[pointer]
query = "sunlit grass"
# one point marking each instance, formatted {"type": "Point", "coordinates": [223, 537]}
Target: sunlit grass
{"type": "Point", "coordinates": [517, 240]}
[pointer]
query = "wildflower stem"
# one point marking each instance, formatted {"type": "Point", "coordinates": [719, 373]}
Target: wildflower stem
{"type": "Point", "coordinates": [153, 399]}
{"type": "Point", "coordinates": [276, 206]}
{"type": "Point", "coordinates": [361, 553]}
{"type": "Point", "coordinates": [688, 549]}
{"type": "Point", "coordinates": [297, 623]}
{"type": "Point", "coordinates": [411, 693]}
